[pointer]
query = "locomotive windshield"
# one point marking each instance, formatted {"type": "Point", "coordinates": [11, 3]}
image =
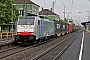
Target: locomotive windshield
{"type": "Point", "coordinates": [26, 21]}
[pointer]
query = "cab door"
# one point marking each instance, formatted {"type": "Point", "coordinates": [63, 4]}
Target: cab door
{"type": "Point", "coordinates": [39, 29]}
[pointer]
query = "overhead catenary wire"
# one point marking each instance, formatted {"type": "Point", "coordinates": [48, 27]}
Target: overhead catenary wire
{"type": "Point", "coordinates": [69, 10]}
{"type": "Point", "coordinates": [66, 8]}
{"type": "Point", "coordinates": [54, 5]}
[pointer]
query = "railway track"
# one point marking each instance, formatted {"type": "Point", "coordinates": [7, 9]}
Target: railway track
{"type": "Point", "coordinates": [9, 52]}
{"type": "Point", "coordinates": [16, 50]}
{"type": "Point", "coordinates": [56, 51]}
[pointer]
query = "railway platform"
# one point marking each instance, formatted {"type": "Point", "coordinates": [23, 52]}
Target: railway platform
{"type": "Point", "coordinates": [88, 31]}
{"type": "Point", "coordinates": [80, 48]}
{"type": "Point", "coordinates": [6, 41]}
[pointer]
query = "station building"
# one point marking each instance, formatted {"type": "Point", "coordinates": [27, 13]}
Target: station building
{"type": "Point", "coordinates": [49, 14]}
{"type": "Point", "coordinates": [27, 6]}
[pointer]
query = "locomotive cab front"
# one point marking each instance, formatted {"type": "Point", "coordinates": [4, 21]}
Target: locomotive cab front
{"type": "Point", "coordinates": [25, 30]}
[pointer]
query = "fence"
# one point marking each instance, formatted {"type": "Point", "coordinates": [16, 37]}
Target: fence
{"type": "Point", "coordinates": [6, 34]}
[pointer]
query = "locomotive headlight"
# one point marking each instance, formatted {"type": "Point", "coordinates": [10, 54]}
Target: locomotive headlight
{"type": "Point", "coordinates": [18, 32]}
{"type": "Point", "coordinates": [32, 33]}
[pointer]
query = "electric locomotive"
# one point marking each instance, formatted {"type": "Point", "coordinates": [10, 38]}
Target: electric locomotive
{"type": "Point", "coordinates": [32, 29]}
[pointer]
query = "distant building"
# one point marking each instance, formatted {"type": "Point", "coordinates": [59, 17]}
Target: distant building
{"type": "Point", "coordinates": [49, 14]}
{"type": "Point", "coordinates": [30, 7]}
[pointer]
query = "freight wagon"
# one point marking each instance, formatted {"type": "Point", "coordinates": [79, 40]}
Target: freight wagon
{"type": "Point", "coordinates": [57, 25]}
{"type": "Point", "coordinates": [60, 28]}
{"type": "Point", "coordinates": [64, 28]}
{"type": "Point", "coordinates": [75, 28]}
{"type": "Point", "coordinates": [69, 28]}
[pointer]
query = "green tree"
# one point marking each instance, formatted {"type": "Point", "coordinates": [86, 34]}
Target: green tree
{"type": "Point", "coordinates": [65, 20]}
{"type": "Point", "coordinates": [61, 20]}
{"type": "Point", "coordinates": [73, 24]}
{"type": "Point", "coordinates": [6, 11]}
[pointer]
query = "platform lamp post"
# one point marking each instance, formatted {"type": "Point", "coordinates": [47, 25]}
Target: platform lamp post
{"type": "Point", "coordinates": [79, 15]}
{"type": "Point", "coordinates": [12, 17]}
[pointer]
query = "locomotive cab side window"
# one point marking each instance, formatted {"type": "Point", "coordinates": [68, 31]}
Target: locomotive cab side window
{"type": "Point", "coordinates": [38, 22]}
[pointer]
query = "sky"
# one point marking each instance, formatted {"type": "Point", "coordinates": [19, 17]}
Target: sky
{"type": "Point", "coordinates": [72, 8]}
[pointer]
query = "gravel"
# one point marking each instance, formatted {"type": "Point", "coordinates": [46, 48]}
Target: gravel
{"type": "Point", "coordinates": [34, 51]}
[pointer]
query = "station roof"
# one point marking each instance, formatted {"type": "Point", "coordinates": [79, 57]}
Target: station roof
{"type": "Point", "coordinates": [47, 12]}
{"type": "Point", "coordinates": [6, 24]}
{"type": "Point", "coordinates": [84, 23]}
{"type": "Point", "coordinates": [27, 2]}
